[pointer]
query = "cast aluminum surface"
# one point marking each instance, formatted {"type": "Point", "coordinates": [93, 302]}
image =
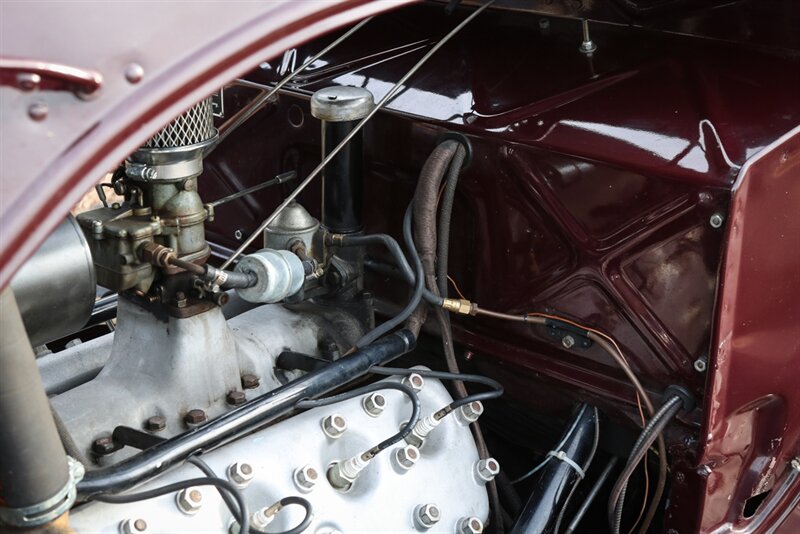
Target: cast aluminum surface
{"type": "Point", "coordinates": [383, 499]}
{"type": "Point", "coordinates": [169, 367]}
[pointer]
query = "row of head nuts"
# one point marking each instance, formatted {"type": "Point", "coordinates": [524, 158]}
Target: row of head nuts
{"type": "Point", "coordinates": [426, 516]}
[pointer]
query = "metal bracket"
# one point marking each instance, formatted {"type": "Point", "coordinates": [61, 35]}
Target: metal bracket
{"type": "Point", "coordinates": [31, 74]}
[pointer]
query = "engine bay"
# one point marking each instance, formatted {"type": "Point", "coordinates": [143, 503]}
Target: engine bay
{"type": "Point", "coordinates": [446, 269]}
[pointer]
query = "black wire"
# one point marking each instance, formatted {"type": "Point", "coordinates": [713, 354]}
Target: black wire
{"type": "Point", "coordinates": [377, 386]}
{"type": "Point", "coordinates": [286, 501]}
{"type": "Point", "coordinates": [242, 515]}
{"type": "Point", "coordinates": [497, 388]}
{"type": "Point", "coordinates": [416, 296]}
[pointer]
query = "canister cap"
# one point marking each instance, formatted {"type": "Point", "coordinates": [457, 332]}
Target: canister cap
{"type": "Point", "coordinates": [341, 103]}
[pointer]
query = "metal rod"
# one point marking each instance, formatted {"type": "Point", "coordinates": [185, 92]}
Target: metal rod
{"type": "Point", "coordinates": [279, 179]}
{"type": "Point", "coordinates": [257, 412]}
{"type": "Point", "coordinates": [256, 105]}
{"type": "Point", "coordinates": [587, 501]}
{"type": "Point", "coordinates": [332, 154]}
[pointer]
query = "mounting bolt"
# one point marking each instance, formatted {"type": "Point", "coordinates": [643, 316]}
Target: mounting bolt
{"type": "Point", "coordinates": [427, 515]}
{"type": "Point", "coordinates": [587, 46]}
{"type": "Point", "coordinates": [472, 411]}
{"type": "Point", "coordinates": [374, 404]}
{"type": "Point", "coordinates": [238, 234]}
{"type": "Point", "coordinates": [716, 220]}
{"type": "Point", "coordinates": [795, 463]}
{"type": "Point", "coordinates": [133, 526]}
{"type": "Point", "coordinates": [240, 473]}
{"type": "Point", "coordinates": [194, 417]}
{"type": "Point", "coordinates": [250, 381]}
{"type": "Point", "coordinates": [701, 364]}
{"type": "Point", "coordinates": [305, 478]}
{"type": "Point", "coordinates": [414, 381]}
{"type": "Point", "coordinates": [103, 446]}
{"type": "Point", "coordinates": [568, 341]}
{"type": "Point", "coordinates": [189, 500]}
{"type": "Point", "coordinates": [469, 525]}
{"type": "Point", "coordinates": [157, 423]}
{"type": "Point", "coordinates": [334, 426]}
{"type": "Point", "coordinates": [236, 398]}
{"type": "Point", "coordinates": [406, 457]}
{"type": "Point", "coordinates": [486, 469]}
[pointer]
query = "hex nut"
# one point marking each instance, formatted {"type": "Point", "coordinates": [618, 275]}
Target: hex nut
{"type": "Point", "coordinates": [716, 220]}
{"type": "Point", "coordinates": [469, 525]}
{"type": "Point", "coordinates": [700, 365]}
{"type": "Point", "coordinates": [334, 425]}
{"type": "Point", "coordinates": [103, 446]}
{"type": "Point", "coordinates": [471, 412]}
{"type": "Point", "coordinates": [250, 381]}
{"type": "Point", "coordinates": [427, 515]}
{"type": "Point", "coordinates": [235, 398]}
{"type": "Point", "coordinates": [157, 423]}
{"type": "Point", "coordinates": [241, 473]}
{"type": "Point", "coordinates": [374, 404]}
{"type": "Point", "coordinates": [568, 341]}
{"type": "Point", "coordinates": [189, 500]}
{"type": "Point", "coordinates": [305, 478]}
{"type": "Point", "coordinates": [194, 417]}
{"type": "Point", "coordinates": [414, 381]}
{"type": "Point", "coordinates": [407, 456]}
{"type": "Point", "coordinates": [133, 526]}
{"type": "Point", "coordinates": [487, 469]}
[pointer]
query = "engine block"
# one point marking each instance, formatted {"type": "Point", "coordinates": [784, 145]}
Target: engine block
{"type": "Point", "coordinates": [445, 475]}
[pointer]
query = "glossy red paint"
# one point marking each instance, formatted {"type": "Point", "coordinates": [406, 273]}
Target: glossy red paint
{"type": "Point", "coordinates": [186, 54]}
{"type": "Point", "coordinates": [590, 191]}
{"type": "Point", "coordinates": [752, 429]}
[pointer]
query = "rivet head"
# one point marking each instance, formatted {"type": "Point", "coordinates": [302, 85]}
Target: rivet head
{"type": "Point", "coordinates": [28, 81]}
{"type": "Point", "coordinates": [134, 73]}
{"type": "Point", "coordinates": [38, 111]}
{"type": "Point", "coordinates": [334, 426]}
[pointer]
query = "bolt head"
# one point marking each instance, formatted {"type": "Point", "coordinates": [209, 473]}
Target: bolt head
{"type": "Point", "coordinates": [700, 365]}
{"type": "Point", "coordinates": [241, 473]}
{"type": "Point", "coordinates": [194, 417]}
{"type": "Point", "coordinates": [103, 446]}
{"type": "Point", "coordinates": [238, 234]}
{"type": "Point", "coordinates": [133, 526]}
{"type": "Point", "coordinates": [156, 423]}
{"type": "Point", "coordinates": [414, 381]}
{"type": "Point", "coordinates": [716, 220]}
{"type": "Point", "coordinates": [250, 381]}
{"type": "Point", "coordinates": [487, 469]}
{"type": "Point", "coordinates": [189, 500]}
{"type": "Point", "coordinates": [568, 341]}
{"type": "Point", "coordinates": [334, 425]}
{"type": "Point", "coordinates": [236, 398]}
{"type": "Point", "coordinates": [472, 411]}
{"type": "Point", "coordinates": [470, 525]}
{"type": "Point", "coordinates": [407, 456]}
{"type": "Point", "coordinates": [427, 515]}
{"type": "Point", "coordinates": [306, 477]}
{"type": "Point", "coordinates": [374, 404]}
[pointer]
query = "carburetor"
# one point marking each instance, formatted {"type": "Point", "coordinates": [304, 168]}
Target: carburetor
{"type": "Point", "coordinates": [162, 205]}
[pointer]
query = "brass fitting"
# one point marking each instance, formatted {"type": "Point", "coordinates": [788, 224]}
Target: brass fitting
{"type": "Point", "coordinates": [156, 254]}
{"type": "Point", "coordinates": [460, 306]}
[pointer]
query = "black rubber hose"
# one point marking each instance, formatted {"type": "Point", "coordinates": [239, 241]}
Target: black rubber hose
{"type": "Point", "coordinates": [589, 499]}
{"type": "Point", "coordinates": [445, 212]}
{"type": "Point", "coordinates": [648, 435]}
{"type": "Point", "coordinates": [397, 254]}
{"type": "Point", "coordinates": [232, 279]}
{"type": "Point", "coordinates": [33, 465]}
{"type": "Point", "coordinates": [416, 296]}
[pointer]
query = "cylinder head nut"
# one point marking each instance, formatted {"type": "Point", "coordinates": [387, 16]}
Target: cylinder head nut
{"type": "Point", "coordinates": [189, 500]}
{"type": "Point", "coordinates": [472, 411]}
{"type": "Point", "coordinates": [486, 469]}
{"type": "Point", "coordinates": [374, 404]}
{"type": "Point", "coordinates": [133, 526]}
{"type": "Point", "coordinates": [427, 515]}
{"type": "Point", "coordinates": [194, 417]}
{"type": "Point", "coordinates": [236, 398]}
{"type": "Point", "coordinates": [241, 473]}
{"type": "Point", "coordinates": [414, 381]}
{"type": "Point", "coordinates": [305, 478]}
{"type": "Point", "coordinates": [406, 457]}
{"type": "Point", "coordinates": [334, 425]}
{"type": "Point", "coordinates": [469, 525]}
{"type": "Point", "coordinates": [157, 423]}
